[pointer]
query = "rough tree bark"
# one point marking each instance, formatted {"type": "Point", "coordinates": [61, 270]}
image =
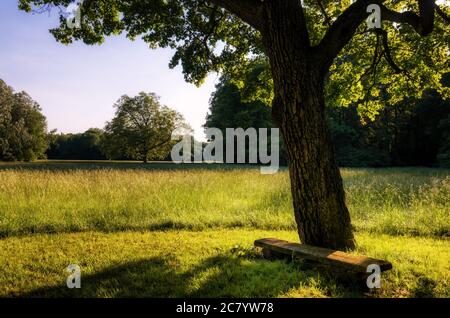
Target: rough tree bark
{"type": "Point", "coordinates": [299, 109]}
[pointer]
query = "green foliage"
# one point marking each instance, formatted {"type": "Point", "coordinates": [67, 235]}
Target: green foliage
{"type": "Point", "coordinates": [230, 106]}
{"type": "Point", "coordinates": [84, 146]}
{"type": "Point", "coordinates": [142, 129]}
{"type": "Point", "coordinates": [409, 133]}
{"type": "Point", "coordinates": [362, 73]}
{"type": "Point", "coordinates": [229, 110]}
{"type": "Point", "coordinates": [444, 150]}
{"type": "Point", "coordinates": [254, 81]}
{"type": "Point", "coordinates": [208, 38]}
{"type": "Point", "coordinates": [22, 126]}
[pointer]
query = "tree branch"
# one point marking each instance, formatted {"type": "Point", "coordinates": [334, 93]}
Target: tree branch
{"type": "Point", "coordinates": [340, 33]}
{"type": "Point", "coordinates": [375, 61]}
{"type": "Point", "coordinates": [158, 145]}
{"type": "Point", "coordinates": [422, 24]}
{"type": "Point", "coordinates": [324, 12]}
{"type": "Point", "coordinates": [345, 26]}
{"type": "Point", "coordinates": [442, 14]}
{"type": "Point", "coordinates": [387, 51]}
{"type": "Point", "coordinates": [248, 10]}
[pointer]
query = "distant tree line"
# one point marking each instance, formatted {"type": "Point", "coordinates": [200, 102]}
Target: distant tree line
{"type": "Point", "coordinates": [141, 129]}
{"type": "Point", "coordinates": [413, 132]}
{"type": "Point", "coordinates": [83, 146]}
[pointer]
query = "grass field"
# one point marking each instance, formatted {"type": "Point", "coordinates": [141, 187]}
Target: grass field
{"type": "Point", "coordinates": [165, 230]}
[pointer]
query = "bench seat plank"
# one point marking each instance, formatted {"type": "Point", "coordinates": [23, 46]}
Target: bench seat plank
{"type": "Point", "coordinates": [322, 255]}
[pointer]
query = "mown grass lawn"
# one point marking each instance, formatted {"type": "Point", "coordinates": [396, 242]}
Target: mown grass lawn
{"type": "Point", "coordinates": [153, 231]}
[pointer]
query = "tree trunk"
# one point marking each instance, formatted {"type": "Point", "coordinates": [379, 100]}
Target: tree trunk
{"type": "Point", "coordinates": [299, 109]}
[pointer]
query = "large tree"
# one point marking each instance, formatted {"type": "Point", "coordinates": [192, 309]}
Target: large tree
{"type": "Point", "coordinates": [141, 129]}
{"type": "Point", "coordinates": [23, 128]}
{"type": "Point", "coordinates": [310, 45]}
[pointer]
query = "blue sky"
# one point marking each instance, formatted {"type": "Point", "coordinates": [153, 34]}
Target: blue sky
{"type": "Point", "coordinates": [77, 85]}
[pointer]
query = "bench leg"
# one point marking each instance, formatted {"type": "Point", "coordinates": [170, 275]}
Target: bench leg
{"type": "Point", "coordinates": [272, 255]}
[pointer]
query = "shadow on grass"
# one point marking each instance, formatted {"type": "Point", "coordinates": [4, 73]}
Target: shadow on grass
{"type": "Point", "coordinates": [425, 288]}
{"type": "Point", "coordinates": [218, 276]}
{"type": "Point", "coordinates": [50, 229]}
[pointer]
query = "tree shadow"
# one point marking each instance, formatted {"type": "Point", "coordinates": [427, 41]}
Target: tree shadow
{"type": "Point", "coordinates": [101, 227]}
{"type": "Point", "coordinates": [425, 288]}
{"type": "Point", "coordinates": [219, 276]}
{"type": "Point", "coordinates": [69, 165]}
{"type": "Point", "coordinates": [153, 277]}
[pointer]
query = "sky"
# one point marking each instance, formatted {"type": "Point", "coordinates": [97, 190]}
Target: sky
{"type": "Point", "coordinates": [77, 85]}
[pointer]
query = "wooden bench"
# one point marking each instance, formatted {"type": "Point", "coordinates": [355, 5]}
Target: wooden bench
{"type": "Point", "coordinates": [336, 260]}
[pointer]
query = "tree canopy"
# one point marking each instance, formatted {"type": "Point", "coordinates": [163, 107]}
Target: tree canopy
{"type": "Point", "coordinates": [23, 128]}
{"type": "Point", "coordinates": [220, 35]}
{"type": "Point", "coordinates": [141, 129]}
{"type": "Point", "coordinates": [229, 108]}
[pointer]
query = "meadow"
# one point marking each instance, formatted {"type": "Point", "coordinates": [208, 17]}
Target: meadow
{"type": "Point", "coordinates": [162, 230]}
